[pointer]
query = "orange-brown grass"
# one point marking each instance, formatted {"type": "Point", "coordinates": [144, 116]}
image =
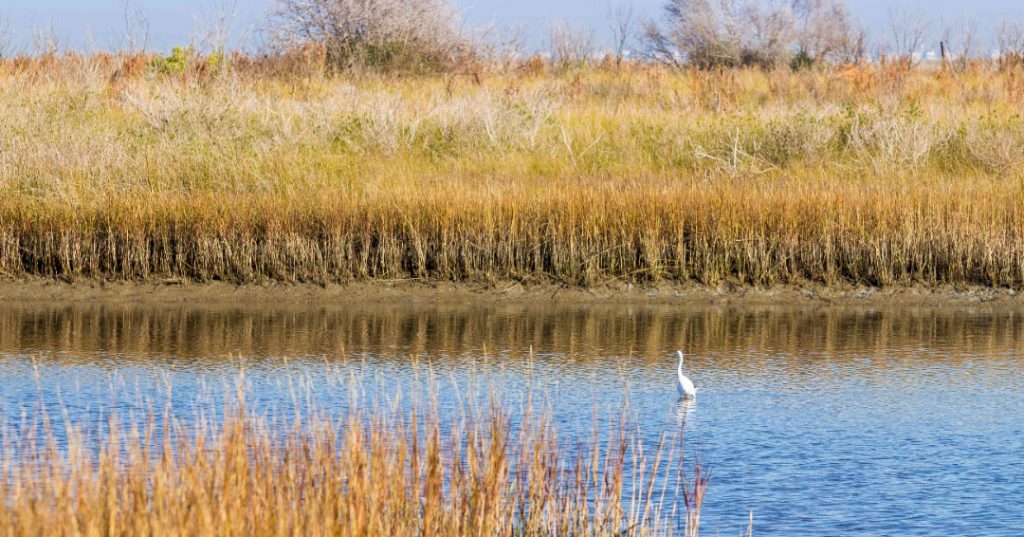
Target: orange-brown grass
{"type": "Point", "coordinates": [112, 168]}
{"type": "Point", "coordinates": [385, 475]}
{"type": "Point", "coordinates": [944, 232]}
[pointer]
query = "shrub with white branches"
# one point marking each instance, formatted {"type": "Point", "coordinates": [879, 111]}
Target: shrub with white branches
{"type": "Point", "coordinates": [380, 34]}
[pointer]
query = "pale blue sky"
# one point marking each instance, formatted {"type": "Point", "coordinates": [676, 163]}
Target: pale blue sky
{"type": "Point", "coordinates": [98, 24]}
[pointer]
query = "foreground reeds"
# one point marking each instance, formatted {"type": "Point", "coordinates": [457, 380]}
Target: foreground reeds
{"type": "Point", "coordinates": [369, 474]}
{"type": "Point", "coordinates": [865, 175]}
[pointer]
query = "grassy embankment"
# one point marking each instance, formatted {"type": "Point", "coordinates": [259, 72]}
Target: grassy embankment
{"type": "Point", "coordinates": [110, 168]}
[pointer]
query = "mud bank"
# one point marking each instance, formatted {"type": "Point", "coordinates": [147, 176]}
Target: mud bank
{"type": "Point", "coordinates": [809, 294]}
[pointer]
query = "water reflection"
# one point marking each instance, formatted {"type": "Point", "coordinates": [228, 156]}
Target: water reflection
{"type": "Point", "coordinates": [822, 421]}
{"type": "Point", "coordinates": [579, 334]}
{"type": "Point", "coordinates": [685, 410]}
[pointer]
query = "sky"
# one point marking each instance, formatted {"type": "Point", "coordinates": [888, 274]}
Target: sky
{"type": "Point", "coordinates": [99, 24]}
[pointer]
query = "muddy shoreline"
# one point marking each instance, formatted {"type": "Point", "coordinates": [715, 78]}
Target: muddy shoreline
{"type": "Point", "coordinates": [39, 290]}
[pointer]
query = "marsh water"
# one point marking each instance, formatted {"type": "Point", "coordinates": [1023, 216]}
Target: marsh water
{"type": "Point", "coordinates": [819, 421]}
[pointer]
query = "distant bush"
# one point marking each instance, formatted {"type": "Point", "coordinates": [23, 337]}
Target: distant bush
{"type": "Point", "coordinates": [5, 37]}
{"type": "Point", "coordinates": [187, 60]}
{"type": "Point", "coordinates": [827, 32]}
{"type": "Point", "coordinates": [733, 33]}
{"type": "Point", "coordinates": [388, 35]}
{"type": "Point", "coordinates": [176, 62]}
{"type": "Point", "coordinates": [569, 45]}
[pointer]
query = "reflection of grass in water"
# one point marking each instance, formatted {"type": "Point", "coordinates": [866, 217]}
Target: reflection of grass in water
{"type": "Point", "coordinates": [205, 334]}
{"type": "Point", "coordinates": [377, 471]}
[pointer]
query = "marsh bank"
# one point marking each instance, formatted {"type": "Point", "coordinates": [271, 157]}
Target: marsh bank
{"type": "Point", "coordinates": [809, 294]}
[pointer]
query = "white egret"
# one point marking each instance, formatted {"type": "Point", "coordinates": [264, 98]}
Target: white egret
{"type": "Point", "coordinates": [686, 387]}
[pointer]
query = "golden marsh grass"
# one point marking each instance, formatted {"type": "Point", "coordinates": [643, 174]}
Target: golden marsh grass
{"type": "Point", "coordinates": [863, 175]}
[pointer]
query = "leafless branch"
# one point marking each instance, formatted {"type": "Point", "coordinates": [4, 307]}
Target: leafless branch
{"type": "Point", "coordinates": [827, 32]}
{"type": "Point", "coordinates": [6, 38]}
{"type": "Point", "coordinates": [44, 40]}
{"type": "Point", "coordinates": [370, 32]}
{"type": "Point", "coordinates": [909, 31]}
{"type": "Point", "coordinates": [960, 43]}
{"type": "Point", "coordinates": [214, 29]}
{"type": "Point", "coordinates": [622, 21]}
{"type": "Point", "coordinates": [1011, 41]}
{"type": "Point", "coordinates": [136, 28]}
{"type": "Point", "coordinates": [728, 33]}
{"type": "Point", "coordinates": [570, 45]}
{"type": "Point", "coordinates": [503, 44]}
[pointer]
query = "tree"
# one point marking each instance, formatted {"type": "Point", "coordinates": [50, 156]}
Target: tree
{"type": "Point", "coordinates": [385, 34]}
{"type": "Point", "coordinates": [909, 30]}
{"type": "Point", "coordinates": [765, 33]}
{"type": "Point", "coordinates": [570, 45]}
{"type": "Point", "coordinates": [826, 31]}
{"type": "Point", "coordinates": [622, 19]}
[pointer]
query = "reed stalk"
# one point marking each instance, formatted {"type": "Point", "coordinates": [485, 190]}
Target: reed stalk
{"type": "Point", "coordinates": [372, 472]}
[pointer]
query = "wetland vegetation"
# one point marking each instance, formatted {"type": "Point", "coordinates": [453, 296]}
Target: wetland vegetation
{"type": "Point", "coordinates": [380, 470]}
{"type": "Point", "coordinates": [279, 170]}
{"type": "Point", "coordinates": [749, 145]}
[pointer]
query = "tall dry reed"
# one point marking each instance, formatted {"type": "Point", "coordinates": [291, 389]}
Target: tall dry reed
{"type": "Point", "coordinates": [372, 473]}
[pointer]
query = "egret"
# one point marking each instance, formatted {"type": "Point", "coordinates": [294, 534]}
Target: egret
{"type": "Point", "coordinates": [686, 388]}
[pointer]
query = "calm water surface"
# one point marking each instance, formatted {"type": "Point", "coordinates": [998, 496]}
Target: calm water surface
{"type": "Point", "coordinates": [819, 421]}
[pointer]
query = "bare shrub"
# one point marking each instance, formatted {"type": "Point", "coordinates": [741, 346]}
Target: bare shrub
{"type": "Point", "coordinates": [909, 31]}
{"type": "Point", "coordinates": [827, 32]}
{"type": "Point", "coordinates": [213, 29]}
{"type": "Point", "coordinates": [570, 45]}
{"type": "Point", "coordinates": [44, 40]}
{"type": "Point", "coordinates": [732, 33]}
{"type": "Point", "coordinates": [504, 46]}
{"type": "Point", "coordinates": [960, 44]}
{"type": "Point", "coordinates": [996, 149]}
{"type": "Point", "coordinates": [771, 32]}
{"type": "Point", "coordinates": [622, 19]}
{"type": "Point", "coordinates": [5, 38]}
{"type": "Point", "coordinates": [416, 35]}
{"type": "Point", "coordinates": [704, 33]}
{"type": "Point", "coordinates": [136, 28]}
{"type": "Point", "coordinates": [888, 140]}
{"type": "Point", "coordinates": [1011, 44]}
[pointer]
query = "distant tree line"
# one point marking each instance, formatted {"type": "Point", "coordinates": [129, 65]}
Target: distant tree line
{"type": "Point", "coordinates": [429, 36]}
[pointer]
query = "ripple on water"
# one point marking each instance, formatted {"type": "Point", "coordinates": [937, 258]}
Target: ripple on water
{"type": "Point", "coordinates": [820, 421]}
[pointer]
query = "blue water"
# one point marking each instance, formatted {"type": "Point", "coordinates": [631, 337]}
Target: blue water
{"type": "Point", "coordinates": [817, 421]}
